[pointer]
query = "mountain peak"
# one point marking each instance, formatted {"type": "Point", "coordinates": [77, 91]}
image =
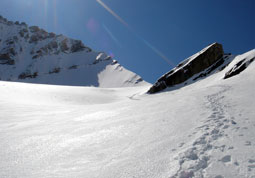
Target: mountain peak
{"type": "Point", "coordinates": [31, 54]}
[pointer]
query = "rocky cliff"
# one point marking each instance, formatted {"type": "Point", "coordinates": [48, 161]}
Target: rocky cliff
{"type": "Point", "coordinates": [195, 64]}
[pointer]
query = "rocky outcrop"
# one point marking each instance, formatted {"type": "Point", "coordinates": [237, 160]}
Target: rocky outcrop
{"type": "Point", "coordinates": [25, 75]}
{"type": "Point", "coordinates": [238, 68]}
{"type": "Point", "coordinates": [189, 67]}
{"type": "Point", "coordinates": [6, 59]}
{"type": "Point", "coordinates": [77, 46]}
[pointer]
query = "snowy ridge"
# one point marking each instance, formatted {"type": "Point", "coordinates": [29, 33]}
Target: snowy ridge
{"type": "Point", "coordinates": [210, 57]}
{"type": "Point", "coordinates": [189, 59]}
{"type": "Point", "coordinates": [30, 54]}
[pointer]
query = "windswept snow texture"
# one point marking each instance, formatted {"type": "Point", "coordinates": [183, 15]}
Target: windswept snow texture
{"type": "Point", "coordinates": [206, 129]}
{"type": "Point", "coordinates": [32, 55]}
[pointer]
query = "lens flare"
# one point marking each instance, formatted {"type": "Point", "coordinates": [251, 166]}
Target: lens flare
{"type": "Point", "coordinates": [111, 35]}
{"type": "Point", "coordinates": [113, 13]}
{"type": "Point", "coordinates": [149, 45]}
{"type": "Point", "coordinates": [55, 14]}
{"type": "Point", "coordinates": [92, 26]}
{"type": "Point", "coordinates": [45, 12]}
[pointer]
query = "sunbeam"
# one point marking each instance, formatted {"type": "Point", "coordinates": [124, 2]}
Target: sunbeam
{"type": "Point", "coordinates": [45, 12]}
{"type": "Point", "coordinates": [153, 48]}
{"type": "Point", "coordinates": [113, 13]}
{"type": "Point", "coordinates": [111, 35]}
{"type": "Point", "coordinates": [55, 14]}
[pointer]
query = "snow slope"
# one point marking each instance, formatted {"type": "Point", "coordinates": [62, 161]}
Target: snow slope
{"type": "Point", "coordinates": [32, 55]}
{"type": "Point", "coordinates": [206, 129]}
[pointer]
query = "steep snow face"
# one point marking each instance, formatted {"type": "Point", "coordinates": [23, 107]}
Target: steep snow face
{"type": "Point", "coordinates": [206, 129]}
{"type": "Point", "coordinates": [30, 54]}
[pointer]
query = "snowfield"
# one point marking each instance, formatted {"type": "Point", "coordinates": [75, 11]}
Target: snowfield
{"type": "Point", "coordinates": [206, 129]}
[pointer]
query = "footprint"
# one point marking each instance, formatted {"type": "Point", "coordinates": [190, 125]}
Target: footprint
{"type": "Point", "coordinates": [236, 163]}
{"type": "Point", "coordinates": [215, 137]}
{"type": "Point", "coordinates": [181, 144]}
{"type": "Point", "coordinates": [221, 117]}
{"type": "Point", "coordinates": [251, 160]}
{"type": "Point", "coordinates": [207, 147]}
{"type": "Point", "coordinates": [226, 126]}
{"type": "Point", "coordinates": [233, 122]}
{"type": "Point", "coordinates": [237, 128]}
{"type": "Point", "coordinates": [251, 166]}
{"type": "Point", "coordinates": [231, 148]}
{"type": "Point", "coordinates": [247, 143]}
{"type": "Point", "coordinates": [191, 155]}
{"type": "Point", "coordinates": [214, 131]}
{"type": "Point", "coordinates": [220, 124]}
{"type": "Point", "coordinates": [226, 120]}
{"type": "Point", "coordinates": [219, 176]}
{"type": "Point", "coordinates": [207, 128]}
{"type": "Point", "coordinates": [226, 159]}
{"type": "Point", "coordinates": [214, 109]}
{"type": "Point", "coordinates": [186, 174]}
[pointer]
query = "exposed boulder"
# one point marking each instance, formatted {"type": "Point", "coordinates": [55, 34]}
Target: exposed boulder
{"type": "Point", "coordinates": [6, 59]}
{"type": "Point", "coordinates": [77, 46]}
{"type": "Point", "coordinates": [23, 24]}
{"type": "Point", "coordinates": [64, 46]}
{"type": "Point", "coordinates": [21, 33]}
{"type": "Point", "coordinates": [12, 51]}
{"type": "Point", "coordinates": [73, 67]}
{"type": "Point", "coordinates": [33, 39]}
{"type": "Point", "coordinates": [10, 23]}
{"type": "Point", "coordinates": [55, 70]}
{"type": "Point", "coordinates": [25, 75]}
{"type": "Point", "coordinates": [51, 35]}
{"type": "Point", "coordinates": [53, 45]}
{"type": "Point", "coordinates": [27, 36]}
{"type": "Point", "coordinates": [34, 29]}
{"type": "Point", "coordinates": [189, 67]}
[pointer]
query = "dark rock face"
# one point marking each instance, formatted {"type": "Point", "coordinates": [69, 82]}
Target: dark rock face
{"type": "Point", "coordinates": [77, 46]}
{"type": "Point", "coordinates": [189, 67]}
{"type": "Point", "coordinates": [55, 70]}
{"type": "Point", "coordinates": [6, 59]}
{"type": "Point", "coordinates": [238, 68]}
{"type": "Point", "coordinates": [220, 65]}
{"type": "Point", "coordinates": [34, 29]}
{"type": "Point", "coordinates": [33, 39]}
{"type": "Point", "coordinates": [25, 75]}
{"type": "Point", "coordinates": [63, 45]}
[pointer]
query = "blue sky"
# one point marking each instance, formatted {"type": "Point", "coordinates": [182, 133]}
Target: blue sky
{"type": "Point", "coordinates": [148, 32]}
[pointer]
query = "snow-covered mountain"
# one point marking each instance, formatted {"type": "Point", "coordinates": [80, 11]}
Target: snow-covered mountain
{"type": "Point", "coordinates": [30, 54]}
{"type": "Point", "coordinates": [199, 123]}
{"type": "Point", "coordinates": [202, 130]}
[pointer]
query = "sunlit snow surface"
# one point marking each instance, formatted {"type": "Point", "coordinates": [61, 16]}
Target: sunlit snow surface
{"type": "Point", "coordinates": [204, 129]}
